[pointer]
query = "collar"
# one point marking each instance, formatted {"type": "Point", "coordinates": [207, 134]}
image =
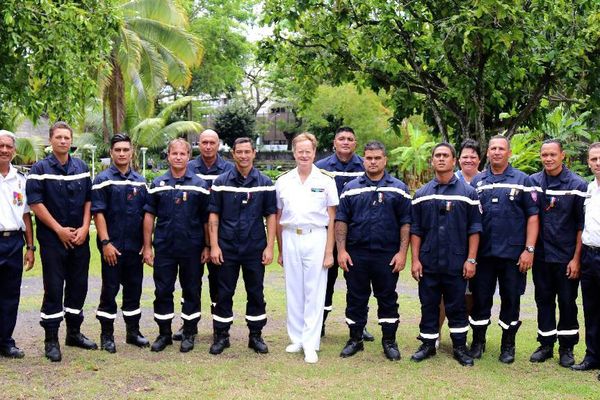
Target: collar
{"type": "Point", "coordinates": [219, 163]}
{"type": "Point", "coordinates": [563, 177]}
{"type": "Point", "coordinates": [452, 181]}
{"type": "Point", "coordinates": [509, 171]}
{"type": "Point", "coordinates": [353, 160]}
{"type": "Point", "coordinates": [187, 175]}
{"type": "Point", "coordinates": [239, 178]}
{"type": "Point", "coordinates": [12, 173]}
{"type": "Point", "coordinates": [115, 171]}
{"type": "Point", "coordinates": [364, 179]}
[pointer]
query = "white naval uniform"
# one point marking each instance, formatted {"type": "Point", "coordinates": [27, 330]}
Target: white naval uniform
{"type": "Point", "coordinates": [304, 219]}
{"type": "Point", "coordinates": [13, 201]}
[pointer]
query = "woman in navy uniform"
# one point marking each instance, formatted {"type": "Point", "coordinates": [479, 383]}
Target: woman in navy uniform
{"type": "Point", "coordinates": [178, 201]}
{"type": "Point", "coordinates": [118, 198]}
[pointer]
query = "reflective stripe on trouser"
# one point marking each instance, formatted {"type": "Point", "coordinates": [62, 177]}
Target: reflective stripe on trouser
{"type": "Point", "coordinates": [305, 283]}
{"type": "Point", "coordinates": [551, 284]}
{"type": "Point", "coordinates": [190, 273]}
{"type": "Point", "coordinates": [127, 272]}
{"type": "Point", "coordinates": [483, 286]}
{"type": "Point", "coordinates": [66, 269]}
{"type": "Point", "coordinates": [590, 293]}
{"type": "Point", "coordinates": [432, 287]}
{"type": "Point", "coordinates": [372, 268]}
{"type": "Point", "coordinates": [11, 271]}
{"type": "Point", "coordinates": [253, 273]}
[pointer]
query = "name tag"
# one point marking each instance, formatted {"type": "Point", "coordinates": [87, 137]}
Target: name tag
{"type": "Point", "coordinates": [495, 200]}
{"type": "Point", "coordinates": [317, 190]}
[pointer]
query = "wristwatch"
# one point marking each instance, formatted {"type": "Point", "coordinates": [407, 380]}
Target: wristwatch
{"type": "Point", "coordinates": [30, 247]}
{"type": "Point", "coordinates": [530, 249]}
{"type": "Point", "coordinates": [472, 261]}
{"type": "Point", "coordinates": [105, 242]}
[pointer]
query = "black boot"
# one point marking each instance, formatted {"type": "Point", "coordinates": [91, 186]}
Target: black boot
{"type": "Point", "coordinates": [478, 344]}
{"type": "Point", "coordinates": [354, 344]}
{"type": "Point", "coordinates": [426, 350]}
{"type": "Point", "coordinates": [256, 342]}
{"type": "Point", "coordinates": [51, 345]}
{"type": "Point", "coordinates": [461, 354]}
{"type": "Point", "coordinates": [390, 348]}
{"type": "Point", "coordinates": [107, 339]}
{"type": "Point", "coordinates": [542, 353]}
{"type": "Point", "coordinates": [187, 341]}
{"type": "Point", "coordinates": [177, 336]}
{"type": "Point", "coordinates": [163, 339]}
{"type": "Point", "coordinates": [566, 356]}
{"type": "Point", "coordinates": [220, 342]}
{"type": "Point", "coordinates": [134, 335]}
{"type": "Point", "coordinates": [77, 339]}
{"type": "Point", "coordinates": [367, 337]}
{"type": "Point", "coordinates": [507, 345]}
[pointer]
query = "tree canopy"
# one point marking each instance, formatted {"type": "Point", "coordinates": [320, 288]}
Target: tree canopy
{"type": "Point", "coordinates": [49, 54]}
{"type": "Point", "coordinates": [472, 68]}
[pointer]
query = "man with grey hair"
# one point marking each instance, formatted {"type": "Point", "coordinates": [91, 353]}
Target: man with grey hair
{"type": "Point", "coordinates": [208, 166]}
{"type": "Point", "coordinates": [372, 232]}
{"type": "Point", "coordinates": [178, 201]}
{"type": "Point", "coordinates": [15, 225]}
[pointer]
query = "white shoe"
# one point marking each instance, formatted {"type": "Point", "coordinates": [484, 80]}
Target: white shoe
{"type": "Point", "coordinates": [294, 348]}
{"type": "Point", "coordinates": [310, 356]}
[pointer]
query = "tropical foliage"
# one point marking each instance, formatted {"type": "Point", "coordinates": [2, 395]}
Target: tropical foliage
{"type": "Point", "coordinates": [414, 159]}
{"type": "Point", "coordinates": [235, 120]}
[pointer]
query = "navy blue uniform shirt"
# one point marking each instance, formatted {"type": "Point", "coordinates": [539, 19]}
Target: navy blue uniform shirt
{"type": "Point", "coordinates": [374, 212]}
{"type": "Point", "coordinates": [121, 199]}
{"type": "Point", "coordinates": [342, 172]}
{"type": "Point", "coordinates": [198, 167]}
{"type": "Point", "coordinates": [560, 200]}
{"type": "Point", "coordinates": [181, 209]}
{"type": "Point", "coordinates": [507, 200]}
{"type": "Point", "coordinates": [63, 189]}
{"type": "Point", "coordinates": [444, 216]}
{"type": "Point", "coordinates": [241, 204]}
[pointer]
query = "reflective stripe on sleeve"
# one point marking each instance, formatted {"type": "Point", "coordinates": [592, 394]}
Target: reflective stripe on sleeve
{"type": "Point", "coordinates": [222, 188]}
{"type": "Point", "coordinates": [42, 177]}
{"type": "Point", "coordinates": [117, 183]}
{"type": "Point", "coordinates": [472, 202]}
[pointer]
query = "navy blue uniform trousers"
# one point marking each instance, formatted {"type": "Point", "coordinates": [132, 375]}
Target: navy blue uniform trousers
{"type": "Point", "coordinates": [483, 286]}
{"type": "Point", "coordinates": [11, 271]}
{"type": "Point", "coordinates": [190, 269]}
{"type": "Point", "coordinates": [551, 284]}
{"type": "Point", "coordinates": [590, 293]}
{"type": "Point", "coordinates": [65, 271]}
{"type": "Point", "coordinates": [371, 267]}
{"type": "Point", "coordinates": [128, 272]}
{"type": "Point", "coordinates": [253, 273]}
{"type": "Point", "coordinates": [434, 286]}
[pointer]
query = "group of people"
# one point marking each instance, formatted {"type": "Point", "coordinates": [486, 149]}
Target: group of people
{"type": "Point", "coordinates": [468, 231]}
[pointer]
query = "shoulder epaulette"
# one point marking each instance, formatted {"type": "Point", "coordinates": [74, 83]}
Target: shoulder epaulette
{"type": "Point", "coordinates": [328, 173]}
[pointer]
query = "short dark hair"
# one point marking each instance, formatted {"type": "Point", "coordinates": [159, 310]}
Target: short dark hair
{"type": "Point", "coordinates": [242, 140]}
{"type": "Point", "coordinates": [553, 141]}
{"type": "Point", "coordinates": [344, 129]}
{"type": "Point", "coordinates": [470, 144]}
{"type": "Point", "coordinates": [60, 125]}
{"type": "Point", "coordinates": [375, 145]}
{"type": "Point", "coordinates": [444, 144]}
{"type": "Point", "coordinates": [595, 145]}
{"type": "Point", "coordinates": [500, 137]}
{"type": "Point", "coordinates": [119, 137]}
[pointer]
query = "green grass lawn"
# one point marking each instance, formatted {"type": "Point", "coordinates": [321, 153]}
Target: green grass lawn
{"type": "Point", "coordinates": [239, 373]}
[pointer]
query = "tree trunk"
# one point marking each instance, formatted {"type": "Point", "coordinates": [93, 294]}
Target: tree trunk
{"type": "Point", "coordinates": [116, 98]}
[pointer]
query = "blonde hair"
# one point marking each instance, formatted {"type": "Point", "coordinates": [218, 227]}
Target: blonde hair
{"type": "Point", "coordinates": [180, 141]}
{"type": "Point", "coordinates": [302, 137]}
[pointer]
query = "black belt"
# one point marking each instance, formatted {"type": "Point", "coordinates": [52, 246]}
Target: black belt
{"type": "Point", "coordinates": [10, 233]}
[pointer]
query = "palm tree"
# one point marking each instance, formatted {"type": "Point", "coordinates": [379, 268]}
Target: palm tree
{"type": "Point", "coordinates": [153, 47]}
{"type": "Point", "coordinates": [29, 150]}
{"type": "Point", "coordinates": [413, 159]}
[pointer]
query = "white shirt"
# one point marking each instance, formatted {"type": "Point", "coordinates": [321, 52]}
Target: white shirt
{"type": "Point", "coordinates": [13, 201]}
{"type": "Point", "coordinates": [591, 229]}
{"type": "Point", "coordinates": [305, 204]}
